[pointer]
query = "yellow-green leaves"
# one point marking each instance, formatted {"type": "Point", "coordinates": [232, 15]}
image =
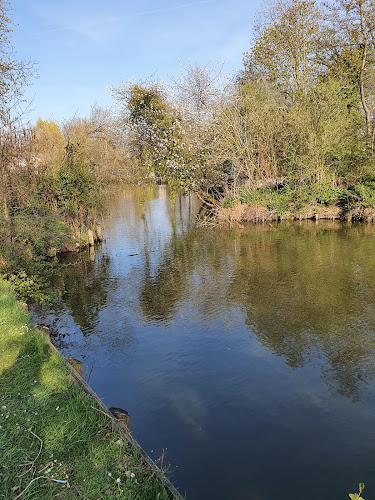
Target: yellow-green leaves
{"type": "Point", "coordinates": [357, 496]}
{"type": "Point", "coordinates": [284, 49]}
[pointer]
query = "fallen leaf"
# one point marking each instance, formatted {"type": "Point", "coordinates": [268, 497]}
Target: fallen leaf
{"type": "Point", "coordinates": [107, 492]}
{"type": "Point", "coordinates": [15, 488]}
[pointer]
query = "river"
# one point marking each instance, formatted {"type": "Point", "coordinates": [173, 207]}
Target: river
{"type": "Point", "coordinates": [247, 355]}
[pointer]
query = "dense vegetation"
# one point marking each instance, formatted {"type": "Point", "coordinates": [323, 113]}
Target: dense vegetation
{"type": "Point", "coordinates": [291, 135]}
{"type": "Point", "coordinates": [293, 130]}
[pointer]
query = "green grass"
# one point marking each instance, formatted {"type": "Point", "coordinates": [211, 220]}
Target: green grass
{"type": "Point", "coordinates": [286, 201]}
{"type": "Point", "coordinates": [49, 430]}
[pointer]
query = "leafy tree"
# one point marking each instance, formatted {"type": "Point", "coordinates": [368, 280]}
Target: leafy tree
{"type": "Point", "coordinates": [284, 50]}
{"type": "Point", "coordinates": [246, 135]}
{"type": "Point", "coordinates": [50, 145]}
{"type": "Point", "coordinates": [353, 25]}
{"type": "Point", "coordinates": [156, 133]}
{"type": "Point", "coordinates": [320, 136]}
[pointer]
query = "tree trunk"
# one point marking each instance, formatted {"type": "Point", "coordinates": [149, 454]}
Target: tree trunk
{"type": "Point", "coordinates": [5, 207]}
{"type": "Point", "coordinates": [362, 89]}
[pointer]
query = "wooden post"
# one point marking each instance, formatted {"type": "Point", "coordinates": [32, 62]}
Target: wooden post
{"type": "Point", "coordinates": [24, 306]}
{"type": "Point", "coordinates": [90, 236]}
{"type": "Point", "coordinates": [76, 364]}
{"type": "Point", "coordinates": [92, 253]}
{"type": "Point", "coordinates": [99, 235]}
{"type": "Point", "coordinates": [122, 416]}
{"type": "Point", "coordinates": [45, 331]}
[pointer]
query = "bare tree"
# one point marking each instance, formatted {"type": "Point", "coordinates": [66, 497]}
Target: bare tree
{"type": "Point", "coordinates": [15, 75]}
{"type": "Point", "coordinates": [198, 90]}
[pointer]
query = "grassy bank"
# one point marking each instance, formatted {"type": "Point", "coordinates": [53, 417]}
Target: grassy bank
{"type": "Point", "coordinates": [51, 430]}
{"type": "Point", "coordinates": [272, 204]}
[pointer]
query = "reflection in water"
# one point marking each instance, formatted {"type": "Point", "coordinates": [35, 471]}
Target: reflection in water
{"type": "Point", "coordinates": [303, 293]}
{"type": "Point", "coordinates": [252, 348]}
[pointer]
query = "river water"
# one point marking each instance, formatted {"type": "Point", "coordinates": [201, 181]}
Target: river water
{"type": "Point", "coordinates": [247, 355]}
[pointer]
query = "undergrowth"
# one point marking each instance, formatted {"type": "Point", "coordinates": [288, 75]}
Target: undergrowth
{"type": "Point", "coordinates": [286, 200]}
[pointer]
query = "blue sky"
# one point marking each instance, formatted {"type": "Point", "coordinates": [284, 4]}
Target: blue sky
{"type": "Point", "coordinates": [83, 45]}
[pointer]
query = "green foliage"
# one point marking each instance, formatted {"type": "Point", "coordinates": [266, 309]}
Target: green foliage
{"type": "Point", "coordinates": [357, 496]}
{"type": "Point", "coordinates": [277, 201]}
{"type": "Point", "coordinates": [147, 103]}
{"type": "Point", "coordinates": [42, 212]}
{"type": "Point", "coordinates": [364, 193]}
{"type": "Point", "coordinates": [321, 194]}
{"type": "Point", "coordinates": [245, 134]}
{"type": "Point", "coordinates": [283, 51]}
{"type": "Point", "coordinates": [28, 287]}
{"type": "Point", "coordinates": [284, 200]}
{"type": "Point", "coordinates": [229, 202]}
{"type": "Point", "coordinates": [78, 190]}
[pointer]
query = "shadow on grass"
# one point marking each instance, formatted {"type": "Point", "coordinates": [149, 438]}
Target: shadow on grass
{"type": "Point", "coordinates": [52, 431]}
{"type": "Point", "coordinates": [36, 394]}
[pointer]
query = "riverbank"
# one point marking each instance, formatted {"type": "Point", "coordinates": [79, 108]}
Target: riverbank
{"type": "Point", "coordinates": [271, 205]}
{"type": "Point", "coordinates": [54, 438]}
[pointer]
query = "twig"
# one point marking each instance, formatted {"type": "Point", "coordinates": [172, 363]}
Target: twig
{"type": "Point", "coordinates": [101, 411]}
{"type": "Point", "coordinates": [91, 369]}
{"type": "Point", "coordinates": [28, 486]}
{"type": "Point", "coordinates": [36, 458]}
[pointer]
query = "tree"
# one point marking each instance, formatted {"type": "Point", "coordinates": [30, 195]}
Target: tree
{"type": "Point", "coordinates": [97, 142]}
{"type": "Point", "coordinates": [246, 135]}
{"type": "Point", "coordinates": [285, 43]}
{"type": "Point", "coordinates": [14, 74]}
{"type": "Point", "coordinates": [156, 133]}
{"type": "Point", "coordinates": [198, 90]}
{"type": "Point", "coordinates": [50, 145]}
{"type": "Point", "coordinates": [320, 137]}
{"type": "Point", "coordinates": [353, 23]}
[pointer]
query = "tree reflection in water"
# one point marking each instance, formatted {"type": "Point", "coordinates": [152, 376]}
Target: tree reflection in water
{"type": "Point", "coordinates": [307, 291]}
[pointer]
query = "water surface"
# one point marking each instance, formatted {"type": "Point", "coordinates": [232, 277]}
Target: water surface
{"type": "Point", "coordinates": [247, 354]}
